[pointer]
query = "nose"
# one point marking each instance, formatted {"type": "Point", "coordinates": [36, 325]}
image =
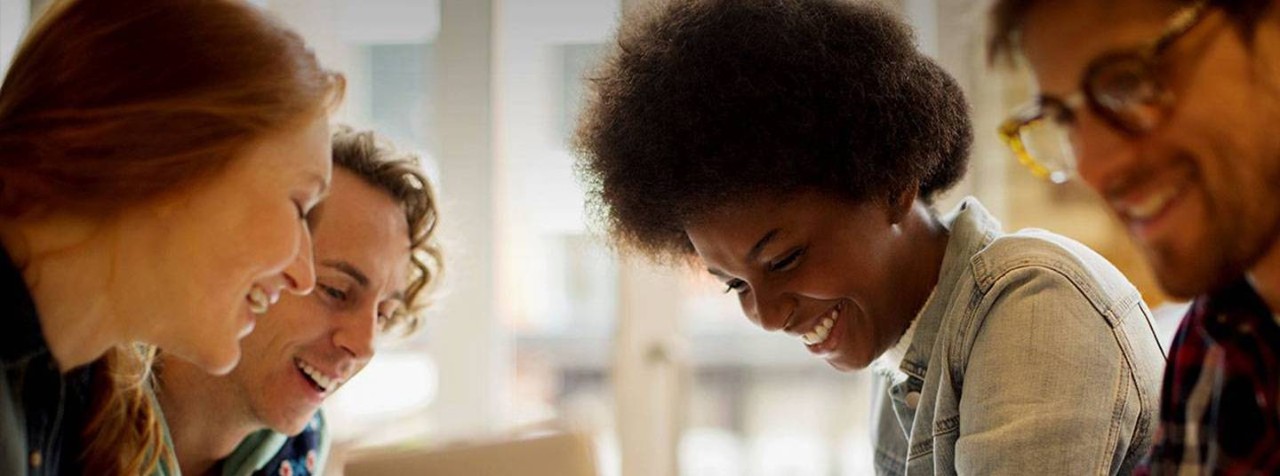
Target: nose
{"type": "Point", "coordinates": [300, 275]}
{"type": "Point", "coordinates": [1106, 158]}
{"type": "Point", "coordinates": [355, 334]}
{"type": "Point", "coordinates": [767, 308]}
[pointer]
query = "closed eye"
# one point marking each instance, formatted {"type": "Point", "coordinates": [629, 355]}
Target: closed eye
{"type": "Point", "coordinates": [333, 293]}
{"type": "Point", "coordinates": [788, 261]}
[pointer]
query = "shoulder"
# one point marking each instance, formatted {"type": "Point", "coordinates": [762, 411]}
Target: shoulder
{"type": "Point", "coordinates": [302, 453]}
{"type": "Point", "coordinates": [1037, 291]}
{"type": "Point", "coordinates": [1042, 303]}
{"type": "Point", "coordinates": [1051, 268]}
{"type": "Point", "coordinates": [269, 453]}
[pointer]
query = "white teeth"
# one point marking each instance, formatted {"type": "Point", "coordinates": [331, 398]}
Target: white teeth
{"type": "Point", "coordinates": [259, 300]}
{"type": "Point", "coordinates": [1152, 203]}
{"type": "Point", "coordinates": [326, 384]}
{"type": "Point", "coordinates": [820, 333]}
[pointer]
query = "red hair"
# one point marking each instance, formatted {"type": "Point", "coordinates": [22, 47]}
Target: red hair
{"type": "Point", "coordinates": [111, 102]}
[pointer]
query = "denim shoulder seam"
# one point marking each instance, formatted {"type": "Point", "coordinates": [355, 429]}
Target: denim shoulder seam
{"type": "Point", "coordinates": [960, 341]}
{"type": "Point", "coordinates": [987, 275]}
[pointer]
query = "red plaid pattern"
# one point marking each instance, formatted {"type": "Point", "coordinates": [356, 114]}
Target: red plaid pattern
{"type": "Point", "coordinates": [1219, 411]}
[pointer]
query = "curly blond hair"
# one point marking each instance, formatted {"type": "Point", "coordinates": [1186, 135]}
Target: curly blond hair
{"type": "Point", "coordinates": [376, 161]}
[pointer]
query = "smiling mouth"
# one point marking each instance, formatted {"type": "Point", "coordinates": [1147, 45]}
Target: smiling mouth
{"type": "Point", "coordinates": [318, 380]}
{"type": "Point", "coordinates": [260, 300]}
{"type": "Point", "coordinates": [1149, 205]}
{"type": "Point", "coordinates": [822, 331]}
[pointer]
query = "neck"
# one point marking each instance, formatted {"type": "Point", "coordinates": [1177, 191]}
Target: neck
{"type": "Point", "coordinates": [204, 420]}
{"type": "Point", "coordinates": [1265, 277]}
{"type": "Point", "coordinates": [923, 260]}
{"type": "Point", "coordinates": [66, 263]}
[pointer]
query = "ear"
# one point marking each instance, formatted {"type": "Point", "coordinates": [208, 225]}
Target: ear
{"type": "Point", "coordinates": [900, 205]}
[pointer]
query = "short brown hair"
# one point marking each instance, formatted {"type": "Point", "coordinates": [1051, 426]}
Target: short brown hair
{"type": "Point", "coordinates": [1006, 19]}
{"type": "Point", "coordinates": [399, 174]}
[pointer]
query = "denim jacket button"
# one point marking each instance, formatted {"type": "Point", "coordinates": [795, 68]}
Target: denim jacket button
{"type": "Point", "coordinates": [913, 399]}
{"type": "Point", "coordinates": [36, 459]}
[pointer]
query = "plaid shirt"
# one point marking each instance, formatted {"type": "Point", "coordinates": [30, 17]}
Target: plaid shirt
{"type": "Point", "coordinates": [1220, 407]}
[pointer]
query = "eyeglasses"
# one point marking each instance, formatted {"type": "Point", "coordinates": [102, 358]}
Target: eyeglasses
{"type": "Point", "coordinates": [1123, 88]}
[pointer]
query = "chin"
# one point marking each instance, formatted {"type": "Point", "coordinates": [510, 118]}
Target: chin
{"type": "Point", "coordinates": [216, 362]}
{"type": "Point", "coordinates": [844, 364]}
{"type": "Point", "coordinates": [1191, 278]}
{"type": "Point", "coordinates": [1181, 288]}
{"type": "Point", "coordinates": [293, 424]}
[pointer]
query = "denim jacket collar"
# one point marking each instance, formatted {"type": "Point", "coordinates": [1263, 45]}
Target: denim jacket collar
{"type": "Point", "coordinates": [971, 228]}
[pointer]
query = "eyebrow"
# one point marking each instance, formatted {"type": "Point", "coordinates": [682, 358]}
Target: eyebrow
{"type": "Point", "coordinates": [349, 270]}
{"type": "Point", "coordinates": [755, 250]}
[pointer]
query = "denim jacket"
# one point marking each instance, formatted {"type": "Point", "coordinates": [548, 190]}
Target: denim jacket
{"type": "Point", "coordinates": [41, 409]}
{"type": "Point", "coordinates": [1034, 356]}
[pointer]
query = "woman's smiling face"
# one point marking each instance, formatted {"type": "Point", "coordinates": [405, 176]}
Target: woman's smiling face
{"type": "Point", "coordinates": [826, 270]}
{"type": "Point", "coordinates": [219, 253]}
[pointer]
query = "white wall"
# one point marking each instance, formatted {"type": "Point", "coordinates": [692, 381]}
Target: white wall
{"type": "Point", "coordinates": [13, 22]}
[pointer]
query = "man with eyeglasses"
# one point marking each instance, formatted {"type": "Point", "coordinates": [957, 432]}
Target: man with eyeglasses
{"type": "Point", "coordinates": [1171, 112]}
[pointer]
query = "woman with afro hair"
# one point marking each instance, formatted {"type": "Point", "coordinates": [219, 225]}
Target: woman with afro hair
{"type": "Point", "coordinates": [793, 149]}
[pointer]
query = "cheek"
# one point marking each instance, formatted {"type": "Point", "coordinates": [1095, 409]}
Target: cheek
{"type": "Point", "coordinates": [245, 236]}
{"type": "Point", "coordinates": [841, 273]}
{"type": "Point", "coordinates": [1237, 171]}
{"type": "Point", "coordinates": [281, 225]}
{"type": "Point", "coordinates": [257, 343]}
{"type": "Point", "coordinates": [823, 284]}
{"type": "Point", "coordinates": [274, 240]}
{"type": "Point", "coordinates": [279, 335]}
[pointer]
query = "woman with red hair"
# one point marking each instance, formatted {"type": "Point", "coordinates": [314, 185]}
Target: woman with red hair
{"type": "Point", "coordinates": [159, 163]}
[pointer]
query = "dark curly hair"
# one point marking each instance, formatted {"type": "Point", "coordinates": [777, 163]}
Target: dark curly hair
{"type": "Point", "coordinates": [702, 103]}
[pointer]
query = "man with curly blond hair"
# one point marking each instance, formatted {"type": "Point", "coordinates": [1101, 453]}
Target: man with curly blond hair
{"type": "Point", "coordinates": [376, 260]}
